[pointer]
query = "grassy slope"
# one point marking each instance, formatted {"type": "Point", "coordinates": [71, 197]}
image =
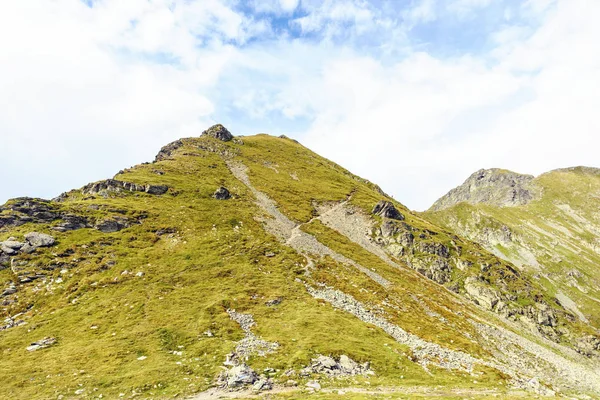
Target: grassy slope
{"type": "Point", "coordinates": [105, 320]}
{"type": "Point", "coordinates": [560, 239]}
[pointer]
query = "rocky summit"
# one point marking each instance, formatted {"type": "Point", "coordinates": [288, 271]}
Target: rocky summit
{"type": "Point", "coordinates": [491, 186]}
{"type": "Point", "coordinates": [230, 268]}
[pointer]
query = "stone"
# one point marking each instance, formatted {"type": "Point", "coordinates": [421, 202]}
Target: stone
{"type": "Point", "coordinates": [347, 364]}
{"type": "Point", "coordinates": [110, 226]}
{"type": "Point", "coordinates": [314, 385]}
{"type": "Point", "coordinates": [157, 189]}
{"type": "Point", "coordinates": [36, 239]}
{"type": "Point", "coordinates": [222, 194]}
{"type": "Point", "coordinates": [241, 375]}
{"type": "Point", "coordinates": [274, 302]}
{"type": "Point", "coordinates": [218, 131]}
{"type": "Point", "coordinates": [262, 384]}
{"type": "Point", "coordinates": [28, 248]}
{"type": "Point", "coordinates": [387, 210]}
{"type": "Point", "coordinates": [11, 247]}
{"type": "Point", "coordinates": [326, 362]}
{"type": "Point", "coordinates": [9, 291]}
{"type": "Point", "coordinates": [41, 344]}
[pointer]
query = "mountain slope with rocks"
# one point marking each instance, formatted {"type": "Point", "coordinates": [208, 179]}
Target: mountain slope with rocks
{"type": "Point", "coordinates": [252, 265]}
{"type": "Point", "coordinates": [554, 237]}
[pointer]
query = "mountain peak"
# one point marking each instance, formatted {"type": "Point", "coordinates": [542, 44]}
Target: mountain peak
{"type": "Point", "coordinates": [491, 186]}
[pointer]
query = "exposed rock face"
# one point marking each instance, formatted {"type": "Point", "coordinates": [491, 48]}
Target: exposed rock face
{"type": "Point", "coordinates": [491, 186]}
{"type": "Point", "coordinates": [71, 223]}
{"type": "Point", "coordinates": [25, 209]}
{"type": "Point", "coordinates": [481, 294]}
{"type": "Point", "coordinates": [387, 210]}
{"type": "Point", "coordinates": [113, 185]}
{"type": "Point", "coordinates": [166, 151]}
{"type": "Point", "coordinates": [222, 194]}
{"type": "Point", "coordinates": [218, 131]}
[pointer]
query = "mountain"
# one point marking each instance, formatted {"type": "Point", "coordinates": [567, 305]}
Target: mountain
{"type": "Point", "coordinates": [549, 227]}
{"type": "Point", "coordinates": [251, 264]}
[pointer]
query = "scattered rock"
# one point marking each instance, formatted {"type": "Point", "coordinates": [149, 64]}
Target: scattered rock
{"type": "Point", "coordinates": [42, 344]}
{"type": "Point", "coordinates": [387, 210]}
{"type": "Point", "coordinates": [218, 131]}
{"type": "Point", "coordinates": [313, 385]}
{"type": "Point", "coordinates": [343, 366]}
{"type": "Point", "coordinates": [222, 194]}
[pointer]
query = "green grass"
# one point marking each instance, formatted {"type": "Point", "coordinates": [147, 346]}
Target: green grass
{"type": "Point", "coordinates": [105, 320]}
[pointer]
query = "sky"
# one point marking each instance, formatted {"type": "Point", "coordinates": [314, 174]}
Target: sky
{"type": "Point", "coordinates": [414, 95]}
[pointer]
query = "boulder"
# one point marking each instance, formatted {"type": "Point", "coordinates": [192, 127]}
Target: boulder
{"type": "Point", "coordinates": [36, 239]}
{"type": "Point", "coordinates": [347, 364]}
{"type": "Point", "coordinates": [41, 344]}
{"type": "Point", "coordinates": [218, 131]}
{"type": "Point", "coordinates": [241, 375]}
{"type": "Point", "coordinates": [324, 362]}
{"type": "Point", "coordinates": [222, 194]}
{"type": "Point", "coordinates": [110, 226]}
{"type": "Point", "coordinates": [387, 210]}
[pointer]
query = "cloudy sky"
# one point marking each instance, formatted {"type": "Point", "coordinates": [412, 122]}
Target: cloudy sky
{"type": "Point", "coordinates": [414, 95]}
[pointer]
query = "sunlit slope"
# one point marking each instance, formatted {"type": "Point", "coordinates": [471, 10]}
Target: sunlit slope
{"type": "Point", "coordinates": [144, 295]}
{"type": "Point", "coordinates": [555, 238]}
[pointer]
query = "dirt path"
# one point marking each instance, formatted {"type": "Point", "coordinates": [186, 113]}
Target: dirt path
{"type": "Point", "coordinates": [416, 391]}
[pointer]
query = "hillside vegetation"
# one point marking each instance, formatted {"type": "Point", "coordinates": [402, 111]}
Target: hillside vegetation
{"type": "Point", "coordinates": [252, 263]}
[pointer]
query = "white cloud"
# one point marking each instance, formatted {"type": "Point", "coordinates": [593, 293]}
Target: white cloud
{"type": "Point", "coordinates": [85, 92]}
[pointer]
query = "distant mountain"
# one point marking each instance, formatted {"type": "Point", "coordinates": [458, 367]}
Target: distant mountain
{"type": "Point", "coordinates": [547, 226]}
{"type": "Point", "coordinates": [251, 264]}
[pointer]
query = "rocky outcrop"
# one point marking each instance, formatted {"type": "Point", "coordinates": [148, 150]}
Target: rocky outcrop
{"type": "Point", "coordinates": [113, 185]}
{"type": "Point", "coordinates": [222, 194]}
{"type": "Point", "coordinates": [218, 131]}
{"type": "Point", "coordinates": [492, 186]}
{"type": "Point", "coordinates": [25, 209]}
{"type": "Point", "coordinates": [166, 151]}
{"type": "Point", "coordinates": [481, 294]}
{"type": "Point", "coordinates": [387, 210]}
